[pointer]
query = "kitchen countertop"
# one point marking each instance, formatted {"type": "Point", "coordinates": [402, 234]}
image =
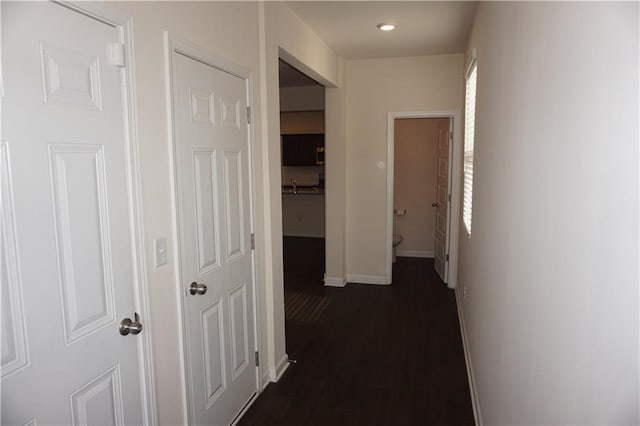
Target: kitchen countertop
{"type": "Point", "coordinates": [303, 190]}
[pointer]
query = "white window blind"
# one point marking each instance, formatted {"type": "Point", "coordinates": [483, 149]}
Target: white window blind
{"type": "Point", "coordinates": [469, 130]}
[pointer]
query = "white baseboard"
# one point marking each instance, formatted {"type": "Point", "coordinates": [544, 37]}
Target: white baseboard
{"type": "Point", "coordinates": [414, 253]}
{"type": "Point", "coordinates": [275, 374]}
{"type": "Point", "coordinates": [467, 357]}
{"type": "Point", "coordinates": [367, 279]}
{"type": "Point", "coordinates": [335, 281]}
{"type": "Point", "coordinates": [265, 380]}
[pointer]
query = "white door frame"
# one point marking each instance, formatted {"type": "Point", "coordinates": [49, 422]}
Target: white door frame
{"type": "Point", "coordinates": [103, 12]}
{"type": "Point", "coordinates": [174, 43]}
{"type": "Point", "coordinates": [455, 162]}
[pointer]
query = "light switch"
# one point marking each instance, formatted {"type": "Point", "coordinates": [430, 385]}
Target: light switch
{"type": "Point", "coordinates": [160, 245]}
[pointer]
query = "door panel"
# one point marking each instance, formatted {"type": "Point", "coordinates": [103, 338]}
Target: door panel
{"type": "Point", "coordinates": [99, 401]}
{"type": "Point", "coordinates": [214, 351]}
{"type": "Point", "coordinates": [212, 152]}
{"type": "Point", "coordinates": [233, 201]}
{"type": "Point", "coordinates": [67, 275]}
{"type": "Point", "coordinates": [70, 78]}
{"type": "Point", "coordinates": [80, 211]}
{"type": "Point", "coordinates": [205, 176]}
{"type": "Point", "coordinates": [239, 330]}
{"type": "Point", "coordinates": [442, 198]}
{"type": "Point", "coordinates": [14, 350]}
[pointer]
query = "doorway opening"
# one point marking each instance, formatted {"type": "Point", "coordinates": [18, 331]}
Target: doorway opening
{"type": "Point", "coordinates": [302, 129]}
{"type": "Point", "coordinates": [423, 189]}
{"type": "Point", "coordinates": [420, 189]}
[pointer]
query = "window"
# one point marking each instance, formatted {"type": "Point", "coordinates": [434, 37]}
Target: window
{"type": "Point", "coordinates": [469, 130]}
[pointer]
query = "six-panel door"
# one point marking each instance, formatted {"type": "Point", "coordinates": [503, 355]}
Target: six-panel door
{"type": "Point", "coordinates": [66, 256]}
{"type": "Point", "coordinates": [212, 148]}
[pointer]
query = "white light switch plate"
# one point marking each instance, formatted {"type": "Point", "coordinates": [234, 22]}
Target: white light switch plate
{"type": "Point", "coordinates": [160, 248]}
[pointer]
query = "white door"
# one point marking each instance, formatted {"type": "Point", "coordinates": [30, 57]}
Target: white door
{"type": "Point", "coordinates": [212, 150]}
{"type": "Point", "coordinates": [67, 277]}
{"type": "Point", "coordinates": [442, 200]}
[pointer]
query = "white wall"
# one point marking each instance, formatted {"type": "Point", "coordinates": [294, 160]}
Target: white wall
{"type": "Point", "coordinates": [302, 48]}
{"type": "Point", "coordinates": [283, 35]}
{"type": "Point", "coordinates": [335, 163]}
{"type": "Point", "coordinates": [375, 87]}
{"type": "Point", "coordinates": [551, 267]}
{"type": "Point", "coordinates": [415, 172]}
{"type": "Point", "coordinates": [305, 98]}
{"type": "Point", "coordinates": [230, 30]}
{"type": "Point", "coordinates": [249, 34]}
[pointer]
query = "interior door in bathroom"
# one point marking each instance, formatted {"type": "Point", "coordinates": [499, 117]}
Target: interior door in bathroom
{"type": "Point", "coordinates": [442, 199]}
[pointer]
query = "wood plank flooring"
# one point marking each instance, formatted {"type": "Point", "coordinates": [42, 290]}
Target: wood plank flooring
{"type": "Point", "coordinates": [378, 355]}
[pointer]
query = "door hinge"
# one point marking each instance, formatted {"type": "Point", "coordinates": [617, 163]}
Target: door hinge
{"type": "Point", "coordinates": [118, 55]}
{"type": "Point", "coordinates": [249, 115]}
{"type": "Point", "coordinates": [447, 258]}
{"type": "Point", "coordinates": [253, 242]}
{"type": "Point", "coordinates": [257, 359]}
{"type": "Point", "coordinates": [449, 196]}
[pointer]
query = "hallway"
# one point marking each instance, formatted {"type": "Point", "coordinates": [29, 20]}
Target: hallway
{"type": "Point", "coordinates": [376, 355]}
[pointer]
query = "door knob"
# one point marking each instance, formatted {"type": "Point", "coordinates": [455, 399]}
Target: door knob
{"type": "Point", "coordinates": [436, 204]}
{"type": "Point", "coordinates": [196, 288]}
{"type": "Point", "coordinates": [131, 327]}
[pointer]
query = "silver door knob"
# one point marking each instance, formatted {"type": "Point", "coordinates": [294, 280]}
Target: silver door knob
{"type": "Point", "coordinates": [196, 288]}
{"type": "Point", "coordinates": [130, 327]}
{"type": "Point", "coordinates": [436, 204]}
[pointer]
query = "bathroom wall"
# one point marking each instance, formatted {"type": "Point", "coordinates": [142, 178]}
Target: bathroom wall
{"type": "Point", "coordinates": [374, 88]}
{"type": "Point", "coordinates": [414, 184]}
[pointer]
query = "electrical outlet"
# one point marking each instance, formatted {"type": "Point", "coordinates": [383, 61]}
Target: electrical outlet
{"type": "Point", "coordinates": [464, 291]}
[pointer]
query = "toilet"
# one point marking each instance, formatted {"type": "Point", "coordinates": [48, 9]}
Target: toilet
{"type": "Point", "coordinates": [397, 239]}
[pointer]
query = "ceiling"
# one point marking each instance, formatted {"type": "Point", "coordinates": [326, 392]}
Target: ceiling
{"type": "Point", "coordinates": [423, 27]}
{"type": "Point", "coordinates": [291, 77]}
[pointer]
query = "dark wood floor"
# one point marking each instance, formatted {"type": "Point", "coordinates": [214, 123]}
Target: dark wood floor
{"type": "Point", "coordinates": [378, 355]}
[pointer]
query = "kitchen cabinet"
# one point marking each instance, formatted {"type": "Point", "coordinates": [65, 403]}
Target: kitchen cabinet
{"type": "Point", "coordinates": [303, 150]}
{"type": "Point", "coordinates": [303, 215]}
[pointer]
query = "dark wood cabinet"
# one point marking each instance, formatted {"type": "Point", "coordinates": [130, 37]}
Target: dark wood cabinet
{"type": "Point", "coordinates": [303, 150]}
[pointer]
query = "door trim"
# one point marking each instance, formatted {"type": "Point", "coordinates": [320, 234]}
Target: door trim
{"type": "Point", "coordinates": [124, 25]}
{"type": "Point", "coordinates": [174, 43]}
{"type": "Point", "coordinates": [455, 161]}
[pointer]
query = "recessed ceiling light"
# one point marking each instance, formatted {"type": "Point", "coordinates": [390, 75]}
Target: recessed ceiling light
{"type": "Point", "coordinates": [385, 26]}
